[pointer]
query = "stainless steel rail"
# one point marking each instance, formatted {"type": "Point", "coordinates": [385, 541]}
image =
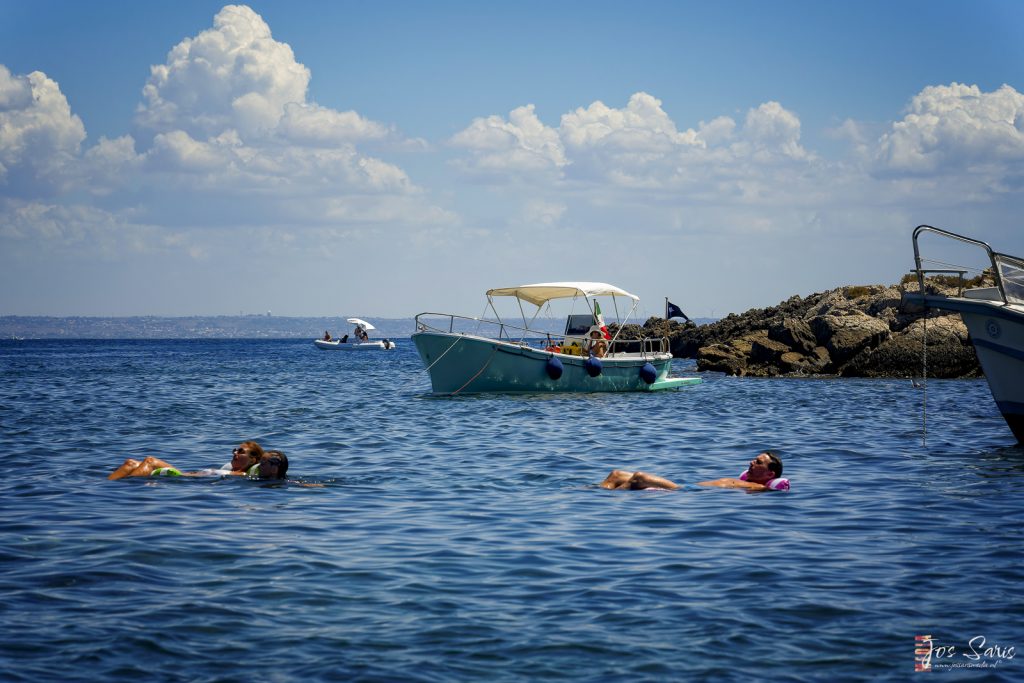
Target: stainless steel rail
{"type": "Point", "coordinates": [507, 332]}
{"type": "Point", "coordinates": [993, 257]}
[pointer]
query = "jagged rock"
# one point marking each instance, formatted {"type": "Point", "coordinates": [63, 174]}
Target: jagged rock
{"type": "Point", "coordinates": [941, 330]}
{"type": "Point", "coordinates": [888, 299]}
{"type": "Point", "coordinates": [949, 353]}
{"type": "Point", "coordinates": [794, 333]}
{"type": "Point", "coordinates": [730, 357]}
{"type": "Point", "coordinates": [847, 335]}
{"type": "Point", "coordinates": [725, 358]}
{"type": "Point", "coordinates": [903, 356]}
{"type": "Point", "coordinates": [850, 331]}
{"type": "Point", "coordinates": [767, 350]}
{"type": "Point", "coordinates": [814, 363]}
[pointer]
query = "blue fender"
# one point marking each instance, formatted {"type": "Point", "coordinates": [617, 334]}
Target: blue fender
{"type": "Point", "coordinates": [554, 368]}
{"type": "Point", "coordinates": [648, 373]}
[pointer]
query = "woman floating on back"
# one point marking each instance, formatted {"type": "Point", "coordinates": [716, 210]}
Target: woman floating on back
{"type": "Point", "coordinates": [247, 458]}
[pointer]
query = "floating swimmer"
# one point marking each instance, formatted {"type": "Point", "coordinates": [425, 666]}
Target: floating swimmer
{"type": "Point", "coordinates": [763, 474]}
{"type": "Point", "coordinates": [273, 465]}
{"type": "Point", "coordinates": [245, 460]}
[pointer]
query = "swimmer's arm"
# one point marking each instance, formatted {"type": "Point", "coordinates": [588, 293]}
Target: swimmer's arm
{"type": "Point", "coordinates": [731, 483]}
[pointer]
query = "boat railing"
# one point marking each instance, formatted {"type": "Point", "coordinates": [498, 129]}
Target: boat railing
{"type": "Point", "coordinates": [469, 325]}
{"type": "Point", "coordinates": [1007, 271]}
{"type": "Point", "coordinates": [643, 346]}
{"type": "Point", "coordinates": [502, 331]}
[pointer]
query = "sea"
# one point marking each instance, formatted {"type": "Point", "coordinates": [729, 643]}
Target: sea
{"type": "Point", "coordinates": [435, 538]}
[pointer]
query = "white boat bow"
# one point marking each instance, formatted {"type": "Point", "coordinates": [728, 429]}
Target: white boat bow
{"type": "Point", "coordinates": [994, 316]}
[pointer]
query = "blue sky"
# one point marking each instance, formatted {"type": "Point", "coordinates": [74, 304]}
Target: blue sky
{"type": "Point", "coordinates": [381, 159]}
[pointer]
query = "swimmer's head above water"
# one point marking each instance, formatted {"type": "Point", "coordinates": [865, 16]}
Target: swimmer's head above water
{"type": "Point", "coordinates": [273, 465]}
{"type": "Point", "coordinates": [245, 455]}
{"type": "Point", "coordinates": [765, 467]}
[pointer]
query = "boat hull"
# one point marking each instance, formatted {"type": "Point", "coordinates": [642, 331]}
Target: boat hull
{"type": "Point", "coordinates": [462, 364]}
{"type": "Point", "coordinates": [999, 343]}
{"type": "Point", "coordinates": [357, 346]}
{"type": "Point", "coordinates": [997, 332]}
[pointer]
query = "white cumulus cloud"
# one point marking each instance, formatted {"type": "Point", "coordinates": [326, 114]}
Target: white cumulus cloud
{"type": "Point", "coordinates": [521, 143]}
{"type": "Point", "coordinates": [951, 128]}
{"type": "Point", "coordinates": [641, 125]}
{"type": "Point", "coordinates": [640, 148]}
{"type": "Point", "coordinates": [39, 136]}
{"type": "Point", "coordinates": [311, 124]}
{"type": "Point", "coordinates": [228, 140]}
{"type": "Point", "coordinates": [234, 75]}
{"type": "Point", "coordinates": [772, 128]}
{"type": "Point", "coordinates": [230, 114]}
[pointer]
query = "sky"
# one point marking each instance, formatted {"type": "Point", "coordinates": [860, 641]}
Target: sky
{"type": "Point", "coordinates": [388, 158]}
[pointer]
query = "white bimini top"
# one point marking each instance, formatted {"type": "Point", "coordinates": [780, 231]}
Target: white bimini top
{"type": "Point", "coordinates": [541, 293]}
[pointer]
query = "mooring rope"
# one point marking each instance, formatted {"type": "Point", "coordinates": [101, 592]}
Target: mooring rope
{"type": "Point", "coordinates": [445, 351]}
{"type": "Point", "coordinates": [494, 349]}
{"type": "Point", "coordinates": [924, 381]}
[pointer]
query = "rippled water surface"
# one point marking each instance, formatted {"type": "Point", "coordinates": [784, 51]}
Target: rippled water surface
{"type": "Point", "coordinates": [465, 538]}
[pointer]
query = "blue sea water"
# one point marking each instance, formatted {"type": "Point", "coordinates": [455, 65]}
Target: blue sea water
{"type": "Point", "coordinates": [465, 538]}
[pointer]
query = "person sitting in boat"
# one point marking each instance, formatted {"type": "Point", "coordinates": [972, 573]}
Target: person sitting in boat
{"type": "Point", "coordinates": [327, 335]}
{"type": "Point", "coordinates": [597, 345]}
{"type": "Point", "coordinates": [763, 474]}
{"type": "Point", "coordinates": [360, 334]}
{"type": "Point", "coordinates": [344, 340]}
{"type": "Point", "coordinates": [243, 458]}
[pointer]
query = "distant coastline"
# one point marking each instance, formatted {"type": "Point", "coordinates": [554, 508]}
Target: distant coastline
{"type": "Point", "coordinates": [200, 327]}
{"type": "Point", "coordinates": [189, 327]}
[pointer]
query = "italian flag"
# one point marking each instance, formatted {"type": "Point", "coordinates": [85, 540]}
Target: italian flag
{"type": "Point", "coordinates": [599, 320]}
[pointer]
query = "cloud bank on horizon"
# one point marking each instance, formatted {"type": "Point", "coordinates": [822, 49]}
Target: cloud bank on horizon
{"type": "Point", "coordinates": [243, 190]}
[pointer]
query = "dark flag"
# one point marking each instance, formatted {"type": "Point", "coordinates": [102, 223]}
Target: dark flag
{"type": "Point", "coordinates": [673, 311]}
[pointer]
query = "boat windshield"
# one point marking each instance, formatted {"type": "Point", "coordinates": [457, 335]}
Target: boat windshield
{"type": "Point", "coordinates": [578, 324]}
{"type": "Point", "coordinates": [1011, 272]}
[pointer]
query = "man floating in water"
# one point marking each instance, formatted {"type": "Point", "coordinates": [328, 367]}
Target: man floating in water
{"type": "Point", "coordinates": [763, 474]}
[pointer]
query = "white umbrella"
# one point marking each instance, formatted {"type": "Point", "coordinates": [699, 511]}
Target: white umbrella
{"type": "Point", "coordinates": [362, 323]}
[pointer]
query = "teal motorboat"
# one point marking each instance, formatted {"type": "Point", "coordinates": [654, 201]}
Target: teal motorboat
{"type": "Point", "coordinates": [475, 355]}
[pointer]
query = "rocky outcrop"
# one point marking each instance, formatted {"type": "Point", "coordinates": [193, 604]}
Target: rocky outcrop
{"type": "Point", "coordinates": [949, 352]}
{"type": "Point", "coordinates": [856, 331]}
